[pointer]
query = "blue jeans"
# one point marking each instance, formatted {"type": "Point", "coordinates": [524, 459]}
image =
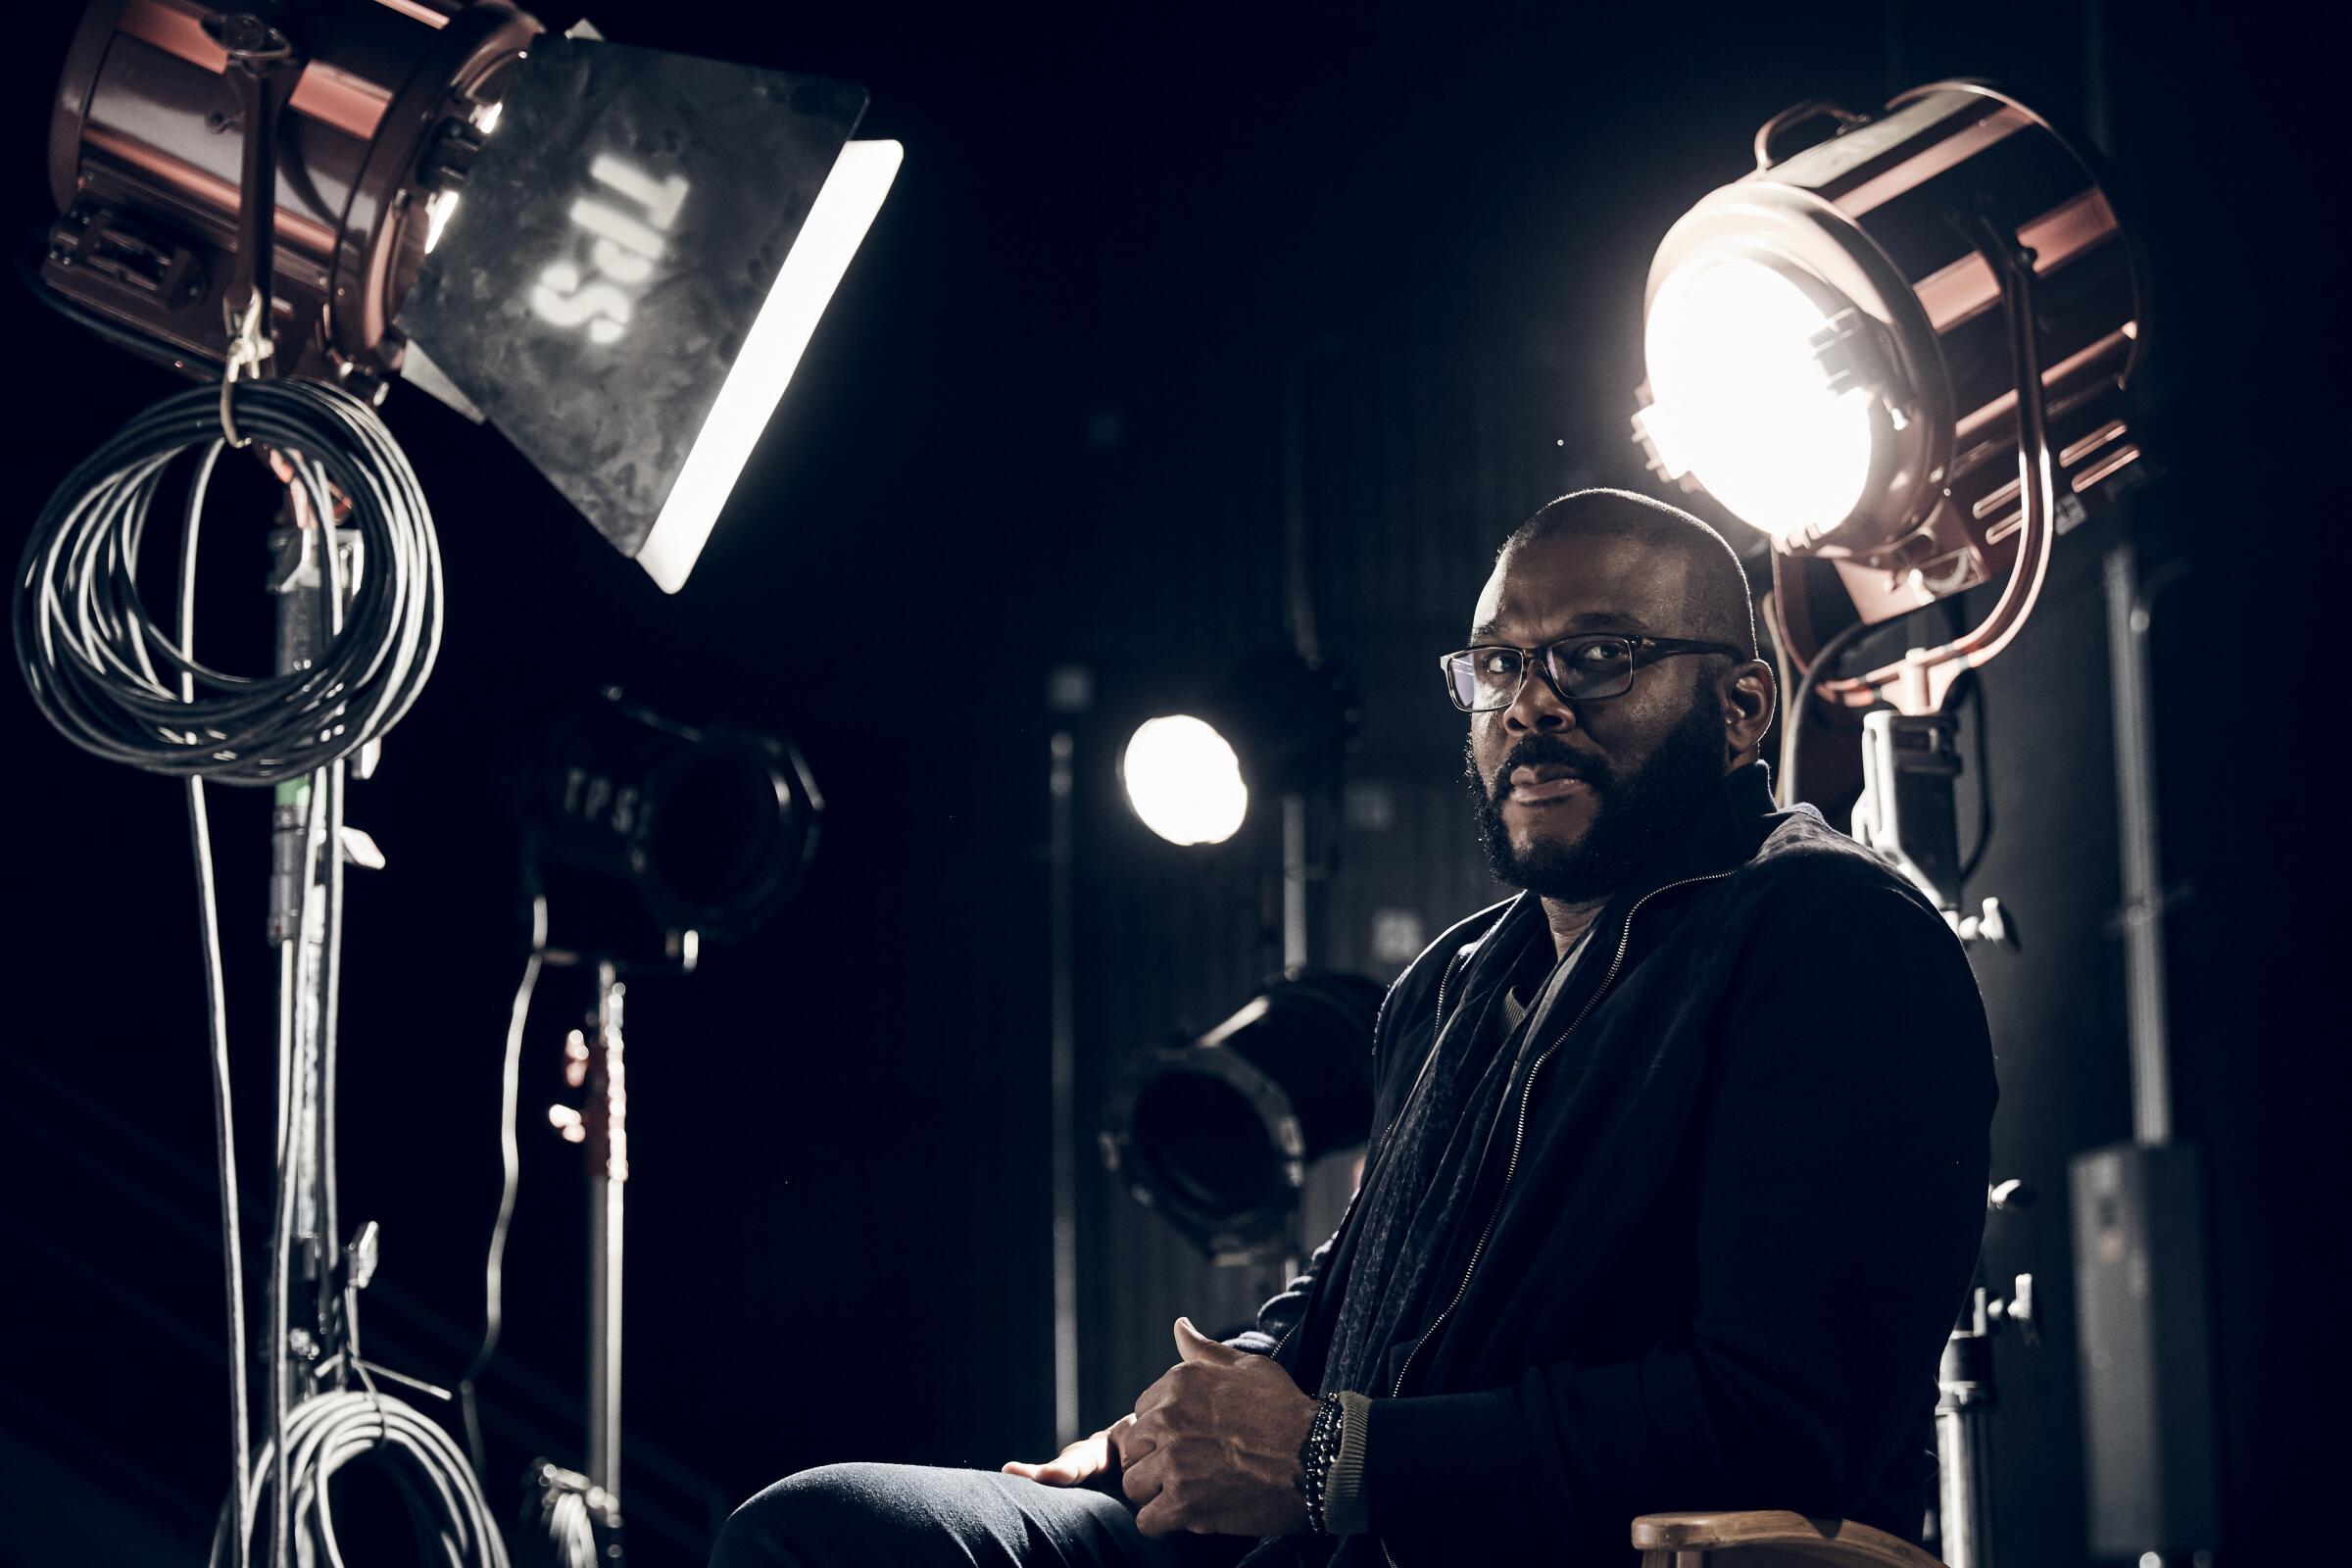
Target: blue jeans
{"type": "Point", "coordinates": [913, 1516]}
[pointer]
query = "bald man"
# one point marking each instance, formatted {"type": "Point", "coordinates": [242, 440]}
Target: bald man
{"type": "Point", "coordinates": [1676, 1167]}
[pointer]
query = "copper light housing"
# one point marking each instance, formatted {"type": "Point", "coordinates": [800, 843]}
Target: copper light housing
{"type": "Point", "coordinates": [1891, 321]}
{"type": "Point", "coordinates": [145, 147]}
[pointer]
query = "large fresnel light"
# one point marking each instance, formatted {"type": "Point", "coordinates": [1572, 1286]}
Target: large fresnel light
{"type": "Point", "coordinates": [1834, 351]}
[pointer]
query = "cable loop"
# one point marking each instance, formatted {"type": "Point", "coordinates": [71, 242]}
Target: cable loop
{"type": "Point", "coordinates": [120, 686]}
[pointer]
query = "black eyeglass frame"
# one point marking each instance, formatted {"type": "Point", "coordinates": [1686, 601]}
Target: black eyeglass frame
{"type": "Point", "coordinates": [1540, 658]}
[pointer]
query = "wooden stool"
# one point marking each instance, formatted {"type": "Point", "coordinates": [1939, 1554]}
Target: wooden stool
{"type": "Point", "coordinates": [1768, 1541]}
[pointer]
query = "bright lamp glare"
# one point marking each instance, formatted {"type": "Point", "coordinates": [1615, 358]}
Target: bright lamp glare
{"type": "Point", "coordinates": [439, 208]}
{"type": "Point", "coordinates": [844, 210]}
{"type": "Point", "coordinates": [1185, 782]}
{"type": "Point", "coordinates": [1744, 402]}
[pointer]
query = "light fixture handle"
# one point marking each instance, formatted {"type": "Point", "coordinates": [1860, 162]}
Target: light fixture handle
{"type": "Point", "coordinates": [1773, 131]}
{"type": "Point", "coordinates": [262, 67]}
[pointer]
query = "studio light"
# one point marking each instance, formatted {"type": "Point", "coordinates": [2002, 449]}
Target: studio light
{"type": "Point", "coordinates": [1831, 355]}
{"type": "Point", "coordinates": [1899, 348]}
{"type": "Point", "coordinates": [1184, 780]}
{"type": "Point", "coordinates": [615, 256]}
{"type": "Point", "coordinates": [635, 825]}
{"type": "Point", "coordinates": [1216, 1134]}
{"type": "Point", "coordinates": [1278, 724]}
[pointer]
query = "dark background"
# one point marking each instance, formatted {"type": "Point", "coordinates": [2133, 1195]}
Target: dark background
{"type": "Point", "coordinates": [1042, 424]}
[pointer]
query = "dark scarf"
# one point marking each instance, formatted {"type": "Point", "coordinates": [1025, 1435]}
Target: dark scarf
{"type": "Point", "coordinates": [1417, 1197]}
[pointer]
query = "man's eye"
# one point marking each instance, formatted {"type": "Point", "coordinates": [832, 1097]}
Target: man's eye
{"type": "Point", "coordinates": [1598, 656]}
{"type": "Point", "coordinates": [1500, 663]}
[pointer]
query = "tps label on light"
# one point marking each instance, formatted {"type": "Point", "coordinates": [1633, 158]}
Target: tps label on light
{"type": "Point", "coordinates": [625, 228]}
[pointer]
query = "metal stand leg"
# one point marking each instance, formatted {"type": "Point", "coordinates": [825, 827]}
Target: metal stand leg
{"type": "Point", "coordinates": [305, 874]}
{"type": "Point", "coordinates": [606, 1122]}
{"type": "Point", "coordinates": [1964, 1440]}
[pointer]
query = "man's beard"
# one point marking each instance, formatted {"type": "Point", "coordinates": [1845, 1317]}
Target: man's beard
{"type": "Point", "coordinates": [1633, 818]}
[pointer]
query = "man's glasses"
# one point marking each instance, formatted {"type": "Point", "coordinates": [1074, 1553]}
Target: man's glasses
{"type": "Point", "coordinates": [1482, 680]}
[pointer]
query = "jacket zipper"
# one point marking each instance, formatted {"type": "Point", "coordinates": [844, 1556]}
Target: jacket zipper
{"type": "Point", "coordinates": [1519, 1136]}
{"type": "Point", "coordinates": [1443, 979]}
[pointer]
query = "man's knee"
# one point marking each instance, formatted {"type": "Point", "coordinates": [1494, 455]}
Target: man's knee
{"type": "Point", "coordinates": [836, 1514]}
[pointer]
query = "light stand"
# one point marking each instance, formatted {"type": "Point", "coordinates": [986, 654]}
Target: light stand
{"type": "Point", "coordinates": [641, 834]}
{"type": "Point", "coordinates": [304, 884]}
{"type": "Point", "coordinates": [594, 1062]}
{"type": "Point", "coordinates": [1846, 349]}
{"type": "Point", "coordinates": [1906, 815]}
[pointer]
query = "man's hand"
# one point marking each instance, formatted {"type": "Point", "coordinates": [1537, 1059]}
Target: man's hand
{"type": "Point", "coordinates": [1215, 1447]}
{"type": "Point", "coordinates": [1081, 1461]}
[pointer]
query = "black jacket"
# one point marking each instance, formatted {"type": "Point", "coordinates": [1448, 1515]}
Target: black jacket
{"type": "Point", "coordinates": [1719, 1262]}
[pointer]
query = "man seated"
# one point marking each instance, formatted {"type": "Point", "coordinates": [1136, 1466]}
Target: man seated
{"type": "Point", "coordinates": [1677, 1169]}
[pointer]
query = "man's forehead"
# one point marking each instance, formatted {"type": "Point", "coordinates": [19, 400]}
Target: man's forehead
{"type": "Point", "coordinates": [1559, 586]}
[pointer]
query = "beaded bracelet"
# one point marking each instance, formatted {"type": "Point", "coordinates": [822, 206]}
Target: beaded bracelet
{"type": "Point", "coordinates": [1315, 1456]}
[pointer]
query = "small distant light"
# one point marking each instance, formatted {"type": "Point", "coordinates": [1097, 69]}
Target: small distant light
{"type": "Point", "coordinates": [487, 120]}
{"type": "Point", "coordinates": [1185, 780]}
{"type": "Point", "coordinates": [2152, 1559]}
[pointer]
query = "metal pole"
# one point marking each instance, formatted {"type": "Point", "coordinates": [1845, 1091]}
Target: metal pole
{"type": "Point", "coordinates": [1062, 854]}
{"type": "Point", "coordinates": [2130, 691]}
{"type": "Point", "coordinates": [607, 1175]}
{"type": "Point", "coordinates": [1293, 883]}
{"type": "Point", "coordinates": [1298, 614]}
{"type": "Point", "coordinates": [1964, 1440]}
{"type": "Point", "coordinates": [303, 1242]}
{"type": "Point", "coordinates": [2098, 106]}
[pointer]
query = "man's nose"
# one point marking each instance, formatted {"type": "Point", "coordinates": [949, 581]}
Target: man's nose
{"type": "Point", "coordinates": [1538, 706]}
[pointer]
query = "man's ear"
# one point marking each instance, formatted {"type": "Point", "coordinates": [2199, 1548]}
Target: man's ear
{"type": "Point", "coordinates": [1751, 695]}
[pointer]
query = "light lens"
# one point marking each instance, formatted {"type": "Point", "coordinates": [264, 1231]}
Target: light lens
{"type": "Point", "coordinates": [1184, 780]}
{"type": "Point", "coordinates": [1744, 402]}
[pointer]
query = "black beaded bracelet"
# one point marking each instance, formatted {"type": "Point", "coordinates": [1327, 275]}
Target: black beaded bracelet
{"type": "Point", "coordinates": [1315, 1456]}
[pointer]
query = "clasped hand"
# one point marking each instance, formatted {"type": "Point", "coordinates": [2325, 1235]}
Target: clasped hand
{"type": "Point", "coordinates": [1212, 1448]}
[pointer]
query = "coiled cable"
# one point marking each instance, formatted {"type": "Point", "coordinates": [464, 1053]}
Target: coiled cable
{"type": "Point", "coordinates": [329, 1431]}
{"type": "Point", "coordinates": [96, 663]}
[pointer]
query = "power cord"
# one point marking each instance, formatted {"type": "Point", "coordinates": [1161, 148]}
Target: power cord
{"type": "Point", "coordinates": [510, 1163]}
{"type": "Point", "coordinates": [1970, 687]}
{"type": "Point", "coordinates": [1793, 731]}
{"type": "Point", "coordinates": [91, 655]}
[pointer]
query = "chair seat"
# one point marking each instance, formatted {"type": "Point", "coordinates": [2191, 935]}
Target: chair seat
{"type": "Point", "coordinates": [1769, 1539]}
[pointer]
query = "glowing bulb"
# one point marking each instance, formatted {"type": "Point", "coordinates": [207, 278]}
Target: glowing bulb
{"type": "Point", "coordinates": [1744, 402]}
{"type": "Point", "coordinates": [1184, 780]}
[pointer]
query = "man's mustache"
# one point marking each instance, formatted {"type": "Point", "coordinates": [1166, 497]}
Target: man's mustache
{"type": "Point", "coordinates": [1548, 751]}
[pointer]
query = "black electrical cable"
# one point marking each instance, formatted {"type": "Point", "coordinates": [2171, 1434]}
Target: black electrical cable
{"type": "Point", "coordinates": [1971, 679]}
{"type": "Point", "coordinates": [330, 1430]}
{"type": "Point", "coordinates": [1796, 723]}
{"type": "Point", "coordinates": [511, 1169]}
{"type": "Point", "coordinates": [207, 924]}
{"type": "Point", "coordinates": [90, 653]}
{"type": "Point", "coordinates": [1977, 721]}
